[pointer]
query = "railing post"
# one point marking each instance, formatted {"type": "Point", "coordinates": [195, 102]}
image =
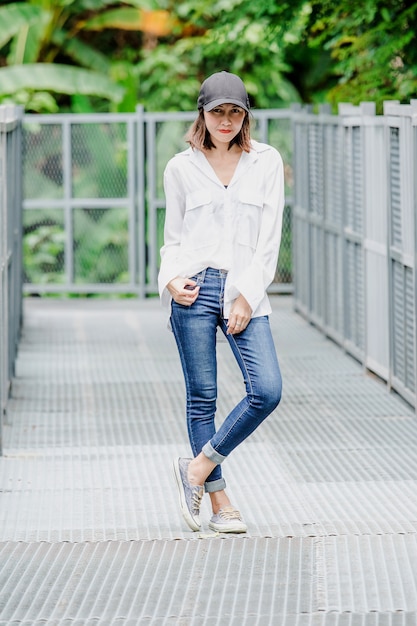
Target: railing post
{"type": "Point", "coordinates": [300, 224]}
{"type": "Point", "coordinates": [375, 249]}
{"type": "Point", "coordinates": [10, 250]}
{"type": "Point", "coordinates": [414, 126]}
{"type": "Point", "coordinates": [140, 232]}
{"type": "Point", "coordinates": [401, 247]}
{"type": "Point", "coordinates": [3, 274]}
{"type": "Point", "coordinates": [333, 315]}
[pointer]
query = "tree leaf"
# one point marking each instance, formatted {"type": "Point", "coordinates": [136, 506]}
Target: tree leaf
{"type": "Point", "coordinates": [26, 45]}
{"type": "Point", "coordinates": [57, 78]}
{"type": "Point", "coordinates": [15, 16]}
{"type": "Point", "coordinates": [81, 52]}
{"type": "Point", "coordinates": [129, 18]}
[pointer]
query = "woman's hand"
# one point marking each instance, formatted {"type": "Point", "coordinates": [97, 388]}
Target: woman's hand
{"type": "Point", "coordinates": [240, 316]}
{"type": "Point", "coordinates": [183, 290]}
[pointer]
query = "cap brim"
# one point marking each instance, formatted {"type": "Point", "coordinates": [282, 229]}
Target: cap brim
{"type": "Point", "coordinates": [215, 103]}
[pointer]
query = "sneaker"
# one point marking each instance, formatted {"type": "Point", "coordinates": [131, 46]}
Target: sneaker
{"type": "Point", "coordinates": [190, 495]}
{"type": "Point", "coordinates": [228, 520]}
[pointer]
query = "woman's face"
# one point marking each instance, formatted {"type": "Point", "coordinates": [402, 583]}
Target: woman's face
{"type": "Point", "coordinates": [224, 122]}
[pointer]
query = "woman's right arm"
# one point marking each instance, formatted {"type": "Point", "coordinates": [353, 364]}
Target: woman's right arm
{"type": "Point", "coordinates": [183, 290]}
{"type": "Point", "coordinates": [170, 284]}
{"type": "Point", "coordinates": [174, 216]}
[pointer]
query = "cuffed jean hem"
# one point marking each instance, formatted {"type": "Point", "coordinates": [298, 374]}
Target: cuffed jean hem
{"type": "Point", "coordinates": [215, 485]}
{"type": "Point", "coordinates": [212, 454]}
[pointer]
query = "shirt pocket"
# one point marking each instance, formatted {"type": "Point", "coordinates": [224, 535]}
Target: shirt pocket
{"type": "Point", "coordinates": [249, 217]}
{"type": "Point", "coordinates": [199, 228]}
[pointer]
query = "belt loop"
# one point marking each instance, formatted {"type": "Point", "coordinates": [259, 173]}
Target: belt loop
{"type": "Point", "coordinates": [200, 277]}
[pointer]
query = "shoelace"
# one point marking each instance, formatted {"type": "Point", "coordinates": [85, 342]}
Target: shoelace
{"type": "Point", "coordinates": [229, 513]}
{"type": "Point", "coordinates": [197, 495]}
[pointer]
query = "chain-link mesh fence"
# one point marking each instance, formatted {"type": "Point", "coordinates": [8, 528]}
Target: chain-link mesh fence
{"type": "Point", "coordinates": [94, 202]}
{"type": "Point", "coordinates": [76, 220]}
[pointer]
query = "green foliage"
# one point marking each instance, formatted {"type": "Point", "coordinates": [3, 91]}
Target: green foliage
{"type": "Point", "coordinates": [62, 78]}
{"type": "Point", "coordinates": [101, 244]}
{"type": "Point", "coordinates": [125, 17]}
{"type": "Point", "coordinates": [17, 17]}
{"type": "Point", "coordinates": [247, 38]}
{"type": "Point", "coordinates": [43, 247]}
{"type": "Point", "coordinates": [99, 168]}
{"type": "Point", "coordinates": [284, 269]}
{"type": "Point", "coordinates": [100, 252]}
{"type": "Point", "coordinates": [102, 55]}
{"type": "Point", "coordinates": [372, 47]}
{"type": "Point", "coordinates": [313, 51]}
{"type": "Point", "coordinates": [39, 38]}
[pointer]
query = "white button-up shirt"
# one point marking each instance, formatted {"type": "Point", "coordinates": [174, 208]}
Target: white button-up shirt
{"type": "Point", "coordinates": [237, 228]}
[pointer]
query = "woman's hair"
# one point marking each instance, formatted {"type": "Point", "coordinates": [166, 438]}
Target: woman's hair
{"type": "Point", "coordinates": [199, 137]}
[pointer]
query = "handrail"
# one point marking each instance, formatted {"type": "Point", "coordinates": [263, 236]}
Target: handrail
{"type": "Point", "coordinates": [10, 249]}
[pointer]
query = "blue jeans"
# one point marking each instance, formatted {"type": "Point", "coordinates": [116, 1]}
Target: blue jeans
{"type": "Point", "coordinates": [194, 328]}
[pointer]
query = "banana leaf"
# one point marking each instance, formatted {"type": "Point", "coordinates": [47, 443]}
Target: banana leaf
{"type": "Point", "coordinates": [129, 18]}
{"type": "Point", "coordinates": [15, 16]}
{"type": "Point", "coordinates": [57, 78]}
{"type": "Point", "coordinates": [81, 52]}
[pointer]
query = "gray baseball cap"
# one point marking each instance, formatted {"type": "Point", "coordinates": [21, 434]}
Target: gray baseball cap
{"type": "Point", "coordinates": [222, 88]}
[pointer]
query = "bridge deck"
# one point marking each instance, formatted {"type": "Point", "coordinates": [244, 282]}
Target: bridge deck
{"type": "Point", "coordinates": [90, 531]}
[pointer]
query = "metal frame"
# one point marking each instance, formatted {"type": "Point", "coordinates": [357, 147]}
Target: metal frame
{"type": "Point", "coordinates": [401, 257]}
{"type": "Point", "coordinates": [132, 201]}
{"type": "Point", "coordinates": [314, 299]}
{"type": "Point", "coordinates": [414, 130]}
{"type": "Point", "coordinates": [377, 327]}
{"type": "Point", "coordinates": [143, 200]}
{"type": "Point", "coordinates": [10, 250]}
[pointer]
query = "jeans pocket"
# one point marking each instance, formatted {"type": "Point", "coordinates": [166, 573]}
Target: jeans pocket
{"type": "Point", "coordinates": [199, 278]}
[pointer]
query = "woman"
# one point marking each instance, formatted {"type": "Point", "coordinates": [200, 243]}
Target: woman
{"type": "Point", "coordinates": [224, 205]}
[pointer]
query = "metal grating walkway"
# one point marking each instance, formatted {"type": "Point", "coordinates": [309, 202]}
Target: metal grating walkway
{"type": "Point", "coordinates": [90, 531]}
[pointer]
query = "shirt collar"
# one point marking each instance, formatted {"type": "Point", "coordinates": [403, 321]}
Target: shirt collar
{"type": "Point", "coordinates": [247, 158]}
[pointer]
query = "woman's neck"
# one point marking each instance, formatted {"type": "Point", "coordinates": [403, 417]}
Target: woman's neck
{"type": "Point", "coordinates": [224, 161]}
{"type": "Point", "coordinates": [221, 149]}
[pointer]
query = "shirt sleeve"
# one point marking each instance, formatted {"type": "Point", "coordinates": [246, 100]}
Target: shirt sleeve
{"type": "Point", "coordinates": [174, 216]}
{"type": "Point", "coordinates": [253, 282]}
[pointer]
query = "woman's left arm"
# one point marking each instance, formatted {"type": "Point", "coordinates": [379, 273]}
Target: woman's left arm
{"type": "Point", "coordinates": [255, 279]}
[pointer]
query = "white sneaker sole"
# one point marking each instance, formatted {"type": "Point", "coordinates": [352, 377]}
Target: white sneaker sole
{"type": "Point", "coordinates": [191, 521]}
{"type": "Point", "coordinates": [224, 528]}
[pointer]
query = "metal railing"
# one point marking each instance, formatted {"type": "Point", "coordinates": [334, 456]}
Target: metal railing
{"type": "Point", "coordinates": [355, 234]}
{"type": "Point", "coordinates": [94, 211]}
{"type": "Point", "coordinates": [93, 199]}
{"type": "Point", "coordinates": [10, 249]}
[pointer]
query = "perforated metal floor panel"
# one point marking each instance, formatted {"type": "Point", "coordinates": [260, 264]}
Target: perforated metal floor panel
{"type": "Point", "coordinates": [90, 531]}
{"type": "Point", "coordinates": [214, 581]}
